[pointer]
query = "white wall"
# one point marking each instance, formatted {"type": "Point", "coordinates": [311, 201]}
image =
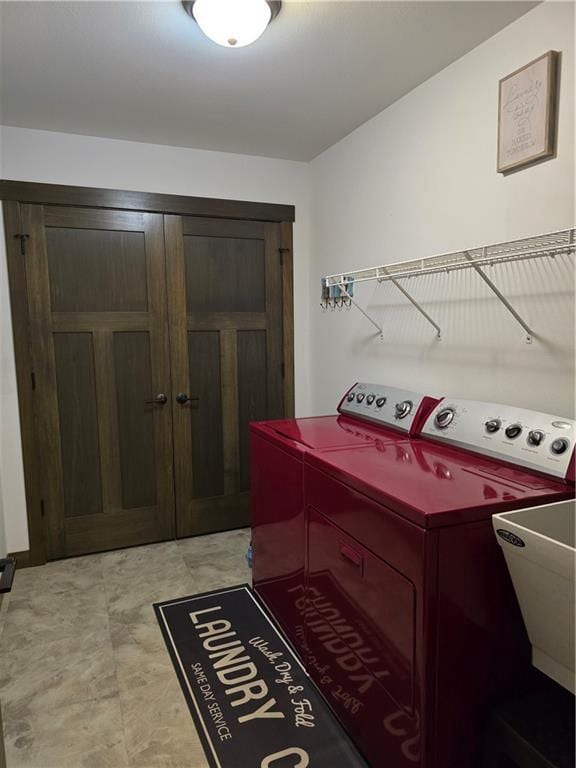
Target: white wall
{"type": "Point", "coordinates": [13, 523]}
{"type": "Point", "coordinates": [59, 158]}
{"type": "Point", "coordinates": [3, 548]}
{"type": "Point", "coordinates": [420, 178]}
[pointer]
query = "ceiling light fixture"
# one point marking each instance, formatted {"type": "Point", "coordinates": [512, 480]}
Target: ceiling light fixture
{"type": "Point", "coordinates": [232, 23]}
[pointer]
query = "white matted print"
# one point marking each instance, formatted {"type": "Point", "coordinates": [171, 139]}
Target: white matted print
{"type": "Point", "coordinates": [527, 113]}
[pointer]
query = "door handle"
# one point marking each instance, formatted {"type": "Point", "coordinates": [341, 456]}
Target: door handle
{"type": "Point", "coordinates": [183, 398]}
{"type": "Point", "coordinates": [160, 399]}
{"type": "Point", "coordinates": [352, 556]}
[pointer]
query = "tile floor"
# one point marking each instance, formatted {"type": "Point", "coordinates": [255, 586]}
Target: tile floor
{"type": "Point", "coordinates": [85, 678]}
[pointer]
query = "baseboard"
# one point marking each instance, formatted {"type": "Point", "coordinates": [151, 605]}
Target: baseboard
{"type": "Point", "coordinates": [22, 558]}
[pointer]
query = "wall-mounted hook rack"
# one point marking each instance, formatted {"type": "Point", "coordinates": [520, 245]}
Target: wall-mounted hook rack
{"type": "Point", "coordinates": [538, 246]}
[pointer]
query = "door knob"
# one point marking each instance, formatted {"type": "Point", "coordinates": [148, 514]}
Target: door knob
{"type": "Point", "coordinates": [160, 399]}
{"type": "Point", "coordinates": [183, 398]}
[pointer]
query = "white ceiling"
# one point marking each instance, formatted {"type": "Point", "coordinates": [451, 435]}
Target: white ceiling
{"type": "Point", "coordinates": [143, 70]}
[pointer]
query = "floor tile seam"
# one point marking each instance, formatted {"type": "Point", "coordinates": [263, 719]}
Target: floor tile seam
{"type": "Point", "coordinates": [119, 696]}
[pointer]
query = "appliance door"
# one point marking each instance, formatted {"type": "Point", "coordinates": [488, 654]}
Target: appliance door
{"type": "Point", "coordinates": [327, 432]}
{"type": "Point", "coordinates": [360, 631]}
{"type": "Point", "coordinates": [278, 534]}
{"type": "Point", "coordinates": [372, 573]}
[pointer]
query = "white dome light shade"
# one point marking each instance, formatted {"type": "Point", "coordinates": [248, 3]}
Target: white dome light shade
{"type": "Point", "coordinates": [232, 23]}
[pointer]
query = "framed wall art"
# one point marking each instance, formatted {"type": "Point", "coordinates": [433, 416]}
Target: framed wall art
{"type": "Point", "coordinates": [527, 113]}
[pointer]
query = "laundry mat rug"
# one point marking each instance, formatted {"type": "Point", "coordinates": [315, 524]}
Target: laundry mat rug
{"type": "Point", "coordinates": [251, 701]}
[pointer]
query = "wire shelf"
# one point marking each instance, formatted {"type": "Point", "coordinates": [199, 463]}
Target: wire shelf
{"type": "Point", "coordinates": [339, 287]}
{"type": "Point", "coordinates": [538, 246]}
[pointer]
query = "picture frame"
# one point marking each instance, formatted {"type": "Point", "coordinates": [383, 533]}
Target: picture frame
{"type": "Point", "coordinates": [527, 102]}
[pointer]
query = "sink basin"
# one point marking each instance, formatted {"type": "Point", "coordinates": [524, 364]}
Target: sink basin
{"type": "Point", "coordinates": [539, 546]}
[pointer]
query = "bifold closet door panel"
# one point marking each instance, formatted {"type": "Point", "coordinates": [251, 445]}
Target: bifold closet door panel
{"type": "Point", "coordinates": [99, 329]}
{"type": "Point", "coordinates": [225, 308]}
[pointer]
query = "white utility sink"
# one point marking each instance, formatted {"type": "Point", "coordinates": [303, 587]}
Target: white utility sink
{"type": "Point", "coordinates": [540, 548]}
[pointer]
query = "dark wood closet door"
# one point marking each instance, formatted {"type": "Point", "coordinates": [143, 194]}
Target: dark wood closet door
{"type": "Point", "coordinates": [97, 292]}
{"type": "Point", "coordinates": [225, 308]}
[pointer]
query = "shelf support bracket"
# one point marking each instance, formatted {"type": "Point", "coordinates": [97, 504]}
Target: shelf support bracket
{"type": "Point", "coordinates": [414, 303]}
{"type": "Point", "coordinates": [500, 295]}
{"type": "Point", "coordinates": [359, 308]}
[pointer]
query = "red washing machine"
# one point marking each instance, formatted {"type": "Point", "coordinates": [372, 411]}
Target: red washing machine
{"type": "Point", "coordinates": [368, 415]}
{"type": "Point", "coordinates": [411, 627]}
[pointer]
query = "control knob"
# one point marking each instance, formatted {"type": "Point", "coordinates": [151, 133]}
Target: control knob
{"type": "Point", "coordinates": [370, 399]}
{"type": "Point", "coordinates": [444, 418]}
{"type": "Point", "coordinates": [535, 436]}
{"type": "Point", "coordinates": [493, 425]}
{"type": "Point", "coordinates": [380, 402]}
{"type": "Point", "coordinates": [350, 397]}
{"type": "Point", "coordinates": [360, 397]}
{"type": "Point", "coordinates": [513, 431]}
{"type": "Point", "coordinates": [403, 409]}
{"type": "Point", "coordinates": [559, 446]}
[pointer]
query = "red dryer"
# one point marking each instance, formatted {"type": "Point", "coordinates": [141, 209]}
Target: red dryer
{"type": "Point", "coordinates": [411, 628]}
{"type": "Point", "coordinates": [368, 415]}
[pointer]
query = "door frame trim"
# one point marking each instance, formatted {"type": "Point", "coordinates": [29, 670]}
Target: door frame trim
{"type": "Point", "coordinates": [15, 193]}
{"type": "Point", "coordinates": [23, 353]}
{"type": "Point", "coordinates": [150, 202]}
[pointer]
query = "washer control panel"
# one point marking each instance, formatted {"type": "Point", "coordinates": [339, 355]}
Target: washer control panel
{"type": "Point", "coordinates": [527, 438]}
{"type": "Point", "coordinates": [388, 406]}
